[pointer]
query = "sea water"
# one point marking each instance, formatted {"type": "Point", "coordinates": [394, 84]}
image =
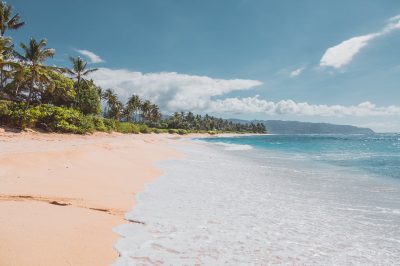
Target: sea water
{"type": "Point", "coordinates": [271, 200]}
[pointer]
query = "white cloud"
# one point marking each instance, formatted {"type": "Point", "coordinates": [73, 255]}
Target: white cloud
{"type": "Point", "coordinates": [393, 24]}
{"type": "Point", "coordinates": [296, 72]}
{"type": "Point", "coordinates": [180, 92]}
{"type": "Point", "coordinates": [94, 58]}
{"type": "Point", "coordinates": [290, 107]}
{"type": "Point", "coordinates": [172, 91]}
{"type": "Point", "coordinates": [340, 55]}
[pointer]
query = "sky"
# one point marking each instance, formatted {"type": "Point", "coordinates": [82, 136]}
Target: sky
{"type": "Point", "coordinates": [318, 61]}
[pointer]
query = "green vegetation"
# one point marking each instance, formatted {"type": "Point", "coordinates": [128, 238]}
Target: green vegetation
{"type": "Point", "coordinates": [197, 123]}
{"type": "Point", "coordinates": [57, 99]}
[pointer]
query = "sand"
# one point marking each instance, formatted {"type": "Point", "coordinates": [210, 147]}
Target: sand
{"type": "Point", "coordinates": [61, 195]}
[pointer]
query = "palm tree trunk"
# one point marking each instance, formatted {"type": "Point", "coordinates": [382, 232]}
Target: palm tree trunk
{"type": "Point", "coordinates": [30, 94]}
{"type": "Point", "coordinates": [29, 98]}
{"type": "Point", "coordinates": [1, 79]}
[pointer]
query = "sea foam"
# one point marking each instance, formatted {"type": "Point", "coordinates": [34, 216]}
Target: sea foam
{"type": "Point", "coordinates": [218, 207]}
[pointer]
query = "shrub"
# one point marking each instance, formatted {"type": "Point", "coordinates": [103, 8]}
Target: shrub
{"type": "Point", "coordinates": [47, 117]}
{"type": "Point", "coordinates": [172, 131]}
{"type": "Point", "coordinates": [157, 131]}
{"type": "Point", "coordinates": [99, 125]}
{"type": "Point", "coordinates": [160, 130]}
{"type": "Point", "coordinates": [144, 129]}
{"type": "Point", "coordinates": [4, 107]}
{"type": "Point", "coordinates": [110, 124]}
{"type": "Point", "coordinates": [61, 119]}
{"type": "Point", "coordinates": [126, 127]}
{"type": "Point", "coordinates": [182, 132]}
{"type": "Point", "coordinates": [15, 115]}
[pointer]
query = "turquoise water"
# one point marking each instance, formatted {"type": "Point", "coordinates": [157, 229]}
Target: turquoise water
{"type": "Point", "coordinates": [378, 154]}
{"type": "Point", "coordinates": [270, 200]}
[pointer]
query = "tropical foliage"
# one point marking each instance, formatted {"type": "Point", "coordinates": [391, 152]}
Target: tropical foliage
{"type": "Point", "coordinates": [34, 94]}
{"type": "Point", "coordinates": [192, 122]}
{"type": "Point", "coordinates": [79, 69]}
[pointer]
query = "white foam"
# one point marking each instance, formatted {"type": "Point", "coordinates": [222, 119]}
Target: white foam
{"type": "Point", "coordinates": [221, 208]}
{"type": "Point", "coordinates": [230, 146]}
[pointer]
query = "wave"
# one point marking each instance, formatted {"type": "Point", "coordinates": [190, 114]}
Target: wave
{"type": "Point", "coordinates": [216, 207]}
{"type": "Point", "coordinates": [234, 147]}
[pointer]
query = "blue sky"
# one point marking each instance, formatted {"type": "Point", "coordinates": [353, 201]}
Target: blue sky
{"type": "Point", "coordinates": [236, 58]}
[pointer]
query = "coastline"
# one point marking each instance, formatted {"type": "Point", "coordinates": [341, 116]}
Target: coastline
{"type": "Point", "coordinates": [260, 207]}
{"type": "Point", "coordinates": [61, 195]}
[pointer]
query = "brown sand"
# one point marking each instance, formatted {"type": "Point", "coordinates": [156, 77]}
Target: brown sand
{"type": "Point", "coordinates": [61, 195]}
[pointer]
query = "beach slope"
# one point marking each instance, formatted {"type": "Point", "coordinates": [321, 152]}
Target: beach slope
{"type": "Point", "coordinates": [61, 195]}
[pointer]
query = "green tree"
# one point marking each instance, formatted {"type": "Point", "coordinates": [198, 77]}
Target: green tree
{"type": "Point", "coordinates": [132, 107]}
{"type": "Point", "coordinates": [7, 65]}
{"type": "Point", "coordinates": [8, 21]}
{"type": "Point", "coordinates": [145, 108]}
{"type": "Point", "coordinates": [114, 108]}
{"type": "Point", "coordinates": [87, 99]}
{"type": "Point", "coordinates": [60, 91]}
{"type": "Point", "coordinates": [35, 54]}
{"type": "Point", "coordinates": [154, 114]}
{"type": "Point", "coordinates": [79, 69]}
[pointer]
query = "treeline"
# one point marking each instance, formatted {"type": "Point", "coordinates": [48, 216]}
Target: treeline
{"type": "Point", "coordinates": [190, 121]}
{"type": "Point", "coordinates": [36, 95]}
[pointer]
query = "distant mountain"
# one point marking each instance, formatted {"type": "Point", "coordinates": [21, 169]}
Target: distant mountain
{"type": "Point", "coordinates": [296, 127]}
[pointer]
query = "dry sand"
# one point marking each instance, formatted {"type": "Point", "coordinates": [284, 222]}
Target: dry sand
{"type": "Point", "coordinates": [61, 195]}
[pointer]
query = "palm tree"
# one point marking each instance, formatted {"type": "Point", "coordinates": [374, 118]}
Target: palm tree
{"type": "Point", "coordinates": [175, 120]}
{"type": "Point", "coordinates": [35, 54]}
{"type": "Point", "coordinates": [110, 97]}
{"type": "Point", "coordinates": [155, 114]}
{"type": "Point", "coordinates": [116, 110]}
{"type": "Point", "coordinates": [7, 20]}
{"type": "Point", "coordinates": [132, 107]}
{"type": "Point", "coordinates": [114, 107]}
{"type": "Point", "coordinates": [79, 69]}
{"type": "Point", "coordinates": [100, 92]}
{"type": "Point", "coordinates": [146, 107]}
{"type": "Point", "coordinates": [6, 64]}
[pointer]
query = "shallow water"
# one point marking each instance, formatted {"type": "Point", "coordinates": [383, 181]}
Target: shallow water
{"type": "Point", "coordinates": [378, 154]}
{"type": "Point", "coordinates": [223, 205]}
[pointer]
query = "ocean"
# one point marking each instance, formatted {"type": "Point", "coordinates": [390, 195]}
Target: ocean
{"type": "Point", "coordinates": [271, 200]}
{"type": "Point", "coordinates": [376, 153]}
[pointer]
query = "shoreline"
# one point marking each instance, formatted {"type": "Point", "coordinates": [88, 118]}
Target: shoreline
{"type": "Point", "coordinates": [47, 178]}
{"type": "Point", "coordinates": [61, 195]}
{"type": "Point", "coordinates": [219, 205]}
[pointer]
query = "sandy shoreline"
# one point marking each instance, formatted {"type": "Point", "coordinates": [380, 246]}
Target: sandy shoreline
{"type": "Point", "coordinates": [61, 195]}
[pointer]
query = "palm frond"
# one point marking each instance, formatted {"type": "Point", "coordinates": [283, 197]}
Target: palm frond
{"type": "Point", "coordinates": [89, 71]}
{"type": "Point", "coordinates": [14, 23]}
{"type": "Point", "coordinates": [19, 56]}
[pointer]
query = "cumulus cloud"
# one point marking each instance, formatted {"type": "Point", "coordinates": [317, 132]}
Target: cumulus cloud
{"type": "Point", "coordinates": [296, 72]}
{"type": "Point", "coordinates": [94, 58]}
{"type": "Point", "coordinates": [172, 91]}
{"type": "Point", "coordinates": [180, 92]}
{"type": "Point", "coordinates": [290, 107]}
{"type": "Point", "coordinates": [340, 55]}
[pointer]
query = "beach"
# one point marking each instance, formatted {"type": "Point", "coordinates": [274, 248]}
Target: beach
{"type": "Point", "coordinates": [147, 199]}
{"type": "Point", "coordinates": [61, 195]}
